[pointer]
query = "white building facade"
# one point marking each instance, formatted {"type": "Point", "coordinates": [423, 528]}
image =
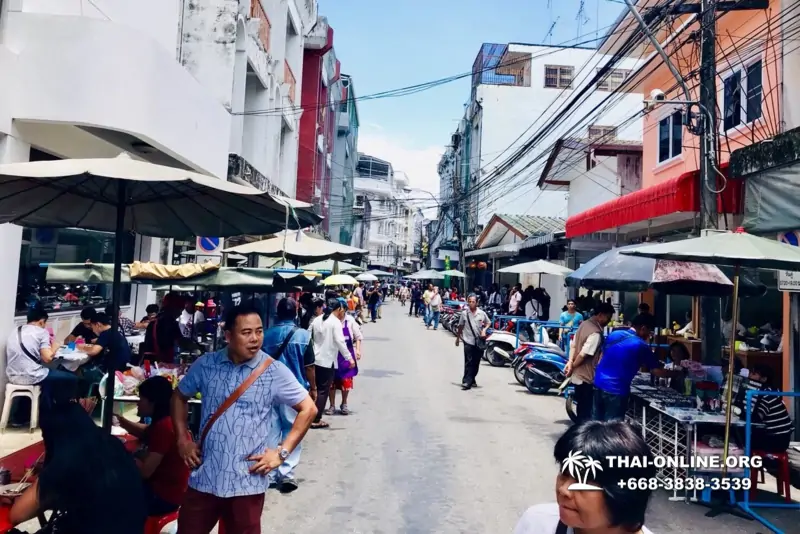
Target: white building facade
{"type": "Point", "coordinates": [387, 227]}
{"type": "Point", "coordinates": [206, 85]}
{"type": "Point", "coordinates": [517, 92]}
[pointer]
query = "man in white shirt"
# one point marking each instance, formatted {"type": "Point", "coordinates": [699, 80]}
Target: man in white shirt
{"type": "Point", "coordinates": [515, 299]}
{"type": "Point", "coordinates": [328, 338]}
{"type": "Point", "coordinates": [28, 348]}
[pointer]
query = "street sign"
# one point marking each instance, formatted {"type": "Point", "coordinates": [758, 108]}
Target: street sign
{"type": "Point", "coordinates": [208, 245]}
{"type": "Point", "coordinates": [789, 280]}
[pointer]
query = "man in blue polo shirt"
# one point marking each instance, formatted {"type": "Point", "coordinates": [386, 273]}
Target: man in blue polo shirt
{"type": "Point", "coordinates": [624, 353]}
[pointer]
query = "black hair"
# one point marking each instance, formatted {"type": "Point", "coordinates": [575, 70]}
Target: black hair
{"type": "Point", "coordinates": [644, 319]}
{"type": "Point", "coordinates": [110, 310]}
{"type": "Point", "coordinates": [157, 390]}
{"type": "Point", "coordinates": [235, 312]}
{"type": "Point", "coordinates": [101, 318]}
{"type": "Point", "coordinates": [572, 301]}
{"type": "Point", "coordinates": [604, 308]}
{"type": "Point", "coordinates": [599, 441]}
{"type": "Point", "coordinates": [36, 314]}
{"type": "Point", "coordinates": [764, 371]}
{"type": "Point", "coordinates": [331, 305]}
{"type": "Point", "coordinates": [680, 346]}
{"type": "Point", "coordinates": [151, 308]}
{"type": "Point", "coordinates": [331, 294]}
{"type": "Point", "coordinates": [317, 303]}
{"type": "Point", "coordinates": [88, 474]}
{"type": "Point", "coordinates": [644, 307]}
{"type": "Point", "coordinates": [88, 313]}
{"type": "Point", "coordinates": [286, 309]}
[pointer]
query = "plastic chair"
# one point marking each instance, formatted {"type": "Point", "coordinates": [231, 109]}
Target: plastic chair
{"type": "Point", "coordinates": [784, 475]}
{"type": "Point", "coordinates": [13, 391]}
{"type": "Point", "coordinates": [155, 524]}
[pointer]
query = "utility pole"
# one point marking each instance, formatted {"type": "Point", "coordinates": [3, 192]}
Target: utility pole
{"type": "Point", "coordinates": [710, 306]}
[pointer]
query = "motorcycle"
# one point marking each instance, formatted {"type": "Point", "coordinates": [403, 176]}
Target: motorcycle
{"type": "Point", "coordinates": [501, 345]}
{"type": "Point", "coordinates": [567, 390]}
{"type": "Point", "coordinates": [544, 370]}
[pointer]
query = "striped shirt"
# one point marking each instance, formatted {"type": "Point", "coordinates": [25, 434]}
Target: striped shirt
{"type": "Point", "coordinates": [770, 410]}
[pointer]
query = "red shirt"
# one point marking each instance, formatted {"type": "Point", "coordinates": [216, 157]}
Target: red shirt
{"type": "Point", "coordinates": [171, 478]}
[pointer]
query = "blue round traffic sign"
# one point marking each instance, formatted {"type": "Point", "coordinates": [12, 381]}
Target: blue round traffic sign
{"type": "Point", "coordinates": [790, 238]}
{"type": "Point", "coordinates": [208, 244]}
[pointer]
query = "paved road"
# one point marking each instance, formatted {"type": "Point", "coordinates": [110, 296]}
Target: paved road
{"type": "Point", "coordinates": [418, 455]}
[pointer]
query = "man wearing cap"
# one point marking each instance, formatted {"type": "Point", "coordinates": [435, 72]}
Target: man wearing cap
{"type": "Point", "coordinates": [292, 346]}
{"type": "Point", "coordinates": [199, 319]}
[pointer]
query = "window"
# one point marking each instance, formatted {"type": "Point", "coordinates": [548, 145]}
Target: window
{"type": "Point", "coordinates": [670, 136]}
{"type": "Point", "coordinates": [67, 245]}
{"type": "Point", "coordinates": [558, 77]}
{"type": "Point", "coordinates": [613, 80]}
{"type": "Point", "coordinates": [742, 93]}
{"type": "Point", "coordinates": [360, 201]}
{"type": "Point", "coordinates": [605, 133]}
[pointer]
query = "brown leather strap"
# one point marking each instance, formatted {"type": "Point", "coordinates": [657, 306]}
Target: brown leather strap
{"type": "Point", "coordinates": [238, 392]}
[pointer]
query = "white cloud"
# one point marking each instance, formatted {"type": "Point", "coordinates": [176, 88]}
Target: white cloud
{"type": "Point", "coordinates": [419, 164]}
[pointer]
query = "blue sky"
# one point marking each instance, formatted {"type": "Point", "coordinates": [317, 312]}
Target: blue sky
{"type": "Point", "coordinates": [390, 44]}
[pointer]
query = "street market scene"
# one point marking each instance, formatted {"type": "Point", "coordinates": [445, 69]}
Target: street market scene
{"type": "Point", "coordinates": [550, 286]}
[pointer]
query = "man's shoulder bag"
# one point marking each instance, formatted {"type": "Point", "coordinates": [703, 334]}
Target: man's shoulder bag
{"type": "Point", "coordinates": [243, 387]}
{"type": "Point", "coordinates": [480, 342]}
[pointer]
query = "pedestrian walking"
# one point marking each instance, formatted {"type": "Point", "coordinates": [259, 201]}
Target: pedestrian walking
{"type": "Point", "coordinates": [292, 346]}
{"type": "Point", "coordinates": [324, 363]}
{"type": "Point", "coordinates": [373, 300]}
{"type": "Point", "coordinates": [347, 371]}
{"type": "Point", "coordinates": [472, 327]}
{"type": "Point", "coordinates": [426, 302]}
{"type": "Point", "coordinates": [583, 358]}
{"type": "Point", "coordinates": [239, 386]}
{"type": "Point", "coordinates": [416, 298]}
{"type": "Point", "coordinates": [436, 305]}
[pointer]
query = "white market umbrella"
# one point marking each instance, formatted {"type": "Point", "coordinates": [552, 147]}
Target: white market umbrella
{"type": "Point", "coordinates": [733, 249]}
{"type": "Point", "coordinates": [426, 274]}
{"type": "Point", "coordinates": [125, 195]}
{"type": "Point", "coordinates": [455, 273]}
{"type": "Point", "coordinates": [297, 245]}
{"type": "Point", "coordinates": [537, 267]}
{"type": "Point", "coordinates": [329, 265]}
{"type": "Point", "coordinates": [379, 273]}
{"type": "Point", "coordinates": [366, 277]}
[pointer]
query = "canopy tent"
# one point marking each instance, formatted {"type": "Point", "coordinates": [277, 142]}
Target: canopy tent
{"type": "Point", "coordinates": [124, 195]}
{"type": "Point", "coordinates": [614, 270]}
{"type": "Point", "coordinates": [366, 277]}
{"type": "Point", "coordinates": [455, 273]}
{"type": "Point", "coordinates": [738, 249]}
{"type": "Point", "coordinates": [298, 246]}
{"type": "Point", "coordinates": [102, 273]}
{"type": "Point", "coordinates": [328, 266]}
{"type": "Point", "coordinates": [340, 280]}
{"type": "Point", "coordinates": [426, 274]}
{"type": "Point", "coordinates": [537, 267]}
{"type": "Point", "coordinates": [379, 273]}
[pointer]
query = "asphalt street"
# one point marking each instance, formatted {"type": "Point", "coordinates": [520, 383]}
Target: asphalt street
{"type": "Point", "coordinates": [419, 455]}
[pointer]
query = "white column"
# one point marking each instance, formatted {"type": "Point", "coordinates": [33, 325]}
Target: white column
{"type": "Point", "coordinates": [12, 150]}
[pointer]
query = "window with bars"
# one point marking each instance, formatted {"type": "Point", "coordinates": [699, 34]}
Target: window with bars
{"type": "Point", "coordinates": [558, 76]}
{"type": "Point", "coordinates": [602, 132]}
{"type": "Point", "coordinates": [742, 93]}
{"type": "Point", "coordinates": [613, 80]}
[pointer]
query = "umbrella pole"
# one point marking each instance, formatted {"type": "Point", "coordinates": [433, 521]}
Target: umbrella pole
{"type": "Point", "coordinates": [115, 298]}
{"type": "Point", "coordinates": [731, 367]}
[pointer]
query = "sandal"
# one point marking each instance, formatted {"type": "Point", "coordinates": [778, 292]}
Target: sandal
{"type": "Point", "coordinates": [320, 424]}
{"type": "Point", "coordinates": [343, 410]}
{"type": "Point", "coordinates": [329, 411]}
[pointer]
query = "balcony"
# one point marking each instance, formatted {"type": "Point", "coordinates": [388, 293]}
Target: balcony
{"type": "Point", "coordinates": [289, 80]}
{"type": "Point", "coordinates": [264, 25]}
{"type": "Point", "coordinates": [343, 122]}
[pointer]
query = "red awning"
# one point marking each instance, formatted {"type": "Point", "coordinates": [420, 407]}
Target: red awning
{"type": "Point", "coordinates": [678, 195]}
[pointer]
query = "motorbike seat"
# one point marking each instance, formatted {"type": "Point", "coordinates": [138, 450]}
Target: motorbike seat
{"type": "Point", "coordinates": [548, 347]}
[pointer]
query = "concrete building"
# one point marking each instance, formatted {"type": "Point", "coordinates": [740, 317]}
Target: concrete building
{"type": "Point", "coordinates": [517, 91]}
{"type": "Point", "coordinates": [321, 96]}
{"type": "Point", "coordinates": [388, 230]}
{"type": "Point", "coordinates": [343, 171]}
{"type": "Point", "coordinates": [204, 85]}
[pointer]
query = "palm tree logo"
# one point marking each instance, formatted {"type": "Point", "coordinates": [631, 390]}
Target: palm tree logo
{"type": "Point", "coordinates": [579, 466]}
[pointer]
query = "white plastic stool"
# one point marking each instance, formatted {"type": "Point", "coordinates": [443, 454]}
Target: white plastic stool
{"type": "Point", "coordinates": [12, 391]}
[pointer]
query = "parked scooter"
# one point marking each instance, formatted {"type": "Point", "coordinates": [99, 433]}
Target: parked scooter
{"type": "Point", "coordinates": [544, 369]}
{"type": "Point", "coordinates": [567, 390]}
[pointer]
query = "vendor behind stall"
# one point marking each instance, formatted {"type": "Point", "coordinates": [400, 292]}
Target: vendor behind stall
{"type": "Point", "coordinates": [84, 328]}
{"type": "Point", "coordinates": [108, 339]}
{"type": "Point", "coordinates": [166, 475]}
{"type": "Point", "coordinates": [624, 352]}
{"type": "Point", "coordinates": [152, 313]}
{"type": "Point", "coordinates": [163, 335]}
{"type": "Point", "coordinates": [769, 410]}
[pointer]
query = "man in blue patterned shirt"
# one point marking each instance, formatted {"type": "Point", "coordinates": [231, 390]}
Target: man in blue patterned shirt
{"type": "Point", "coordinates": [230, 475]}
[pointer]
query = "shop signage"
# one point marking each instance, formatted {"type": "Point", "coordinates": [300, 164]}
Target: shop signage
{"type": "Point", "coordinates": [789, 280]}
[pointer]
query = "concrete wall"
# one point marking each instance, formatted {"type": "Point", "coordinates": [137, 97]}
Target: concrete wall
{"type": "Point", "coordinates": [509, 112]}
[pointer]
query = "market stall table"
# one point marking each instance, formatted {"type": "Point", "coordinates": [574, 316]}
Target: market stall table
{"type": "Point", "coordinates": [70, 359]}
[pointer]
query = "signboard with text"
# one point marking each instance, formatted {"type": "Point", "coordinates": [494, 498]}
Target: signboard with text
{"type": "Point", "coordinates": [789, 280]}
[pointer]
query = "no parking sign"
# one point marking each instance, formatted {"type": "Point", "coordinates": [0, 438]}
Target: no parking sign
{"type": "Point", "coordinates": [789, 280]}
{"type": "Point", "coordinates": [208, 245]}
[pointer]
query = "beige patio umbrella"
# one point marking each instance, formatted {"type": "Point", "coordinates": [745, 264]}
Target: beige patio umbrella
{"type": "Point", "coordinates": [537, 267]}
{"type": "Point", "coordinates": [296, 245]}
{"type": "Point", "coordinates": [125, 195]}
{"type": "Point", "coordinates": [733, 249]}
{"type": "Point", "coordinates": [455, 273]}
